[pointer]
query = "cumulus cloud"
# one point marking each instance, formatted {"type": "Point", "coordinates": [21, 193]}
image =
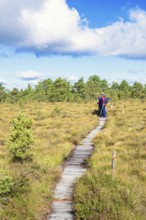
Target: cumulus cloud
{"type": "Point", "coordinates": [30, 76]}
{"type": "Point", "coordinates": [47, 27]}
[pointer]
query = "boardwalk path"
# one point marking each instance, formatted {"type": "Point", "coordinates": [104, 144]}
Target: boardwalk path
{"type": "Point", "coordinates": [76, 166]}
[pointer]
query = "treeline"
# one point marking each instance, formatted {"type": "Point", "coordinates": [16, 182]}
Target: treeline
{"type": "Point", "coordinates": [61, 90]}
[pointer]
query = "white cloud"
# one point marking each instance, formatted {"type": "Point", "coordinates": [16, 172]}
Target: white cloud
{"type": "Point", "coordinates": [52, 23]}
{"type": "Point", "coordinates": [3, 82]}
{"type": "Point", "coordinates": [136, 79]}
{"type": "Point", "coordinates": [30, 76]}
{"type": "Point", "coordinates": [50, 26]}
{"type": "Point", "coordinates": [72, 78]}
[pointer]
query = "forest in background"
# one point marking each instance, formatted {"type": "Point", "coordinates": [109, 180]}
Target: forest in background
{"type": "Point", "coordinates": [61, 90]}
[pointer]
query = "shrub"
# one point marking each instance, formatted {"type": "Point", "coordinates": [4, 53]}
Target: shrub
{"type": "Point", "coordinates": [6, 183]}
{"type": "Point", "coordinates": [102, 197]}
{"type": "Point", "coordinates": [56, 111]}
{"type": "Point", "coordinates": [20, 138]}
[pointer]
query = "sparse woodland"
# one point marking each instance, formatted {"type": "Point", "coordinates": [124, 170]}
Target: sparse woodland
{"type": "Point", "coordinates": [61, 90]}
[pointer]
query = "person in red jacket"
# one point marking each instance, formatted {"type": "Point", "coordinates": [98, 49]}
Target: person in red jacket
{"type": "Point", "coordinates": [102, 101]}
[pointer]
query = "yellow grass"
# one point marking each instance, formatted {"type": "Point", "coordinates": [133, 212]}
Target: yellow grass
{"type": "Point", "coordinates": [124, 132]}
{"type": "Point", "coordinates": [57, 127]}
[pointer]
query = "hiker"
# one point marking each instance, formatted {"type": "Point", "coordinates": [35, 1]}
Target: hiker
{"type": "Point", "coordinates": [102, 101]}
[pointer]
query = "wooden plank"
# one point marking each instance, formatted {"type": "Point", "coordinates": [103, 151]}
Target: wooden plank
{"type": "Point", "coordinates": [76, 166]}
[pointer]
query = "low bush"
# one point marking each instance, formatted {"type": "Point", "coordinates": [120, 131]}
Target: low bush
{"type": "Point", "coordinates": [6, 183]}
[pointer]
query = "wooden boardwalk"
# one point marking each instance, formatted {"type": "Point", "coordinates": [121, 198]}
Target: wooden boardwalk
{"type": "Point", "coordinates": [76, 166]}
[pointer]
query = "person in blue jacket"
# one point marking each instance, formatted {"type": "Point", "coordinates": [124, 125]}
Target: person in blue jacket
{"type": "Point", "coordinates": [102, 101]}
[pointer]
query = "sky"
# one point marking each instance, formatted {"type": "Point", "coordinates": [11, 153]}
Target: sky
{"type": "Point", "coordinates": [41, 39]}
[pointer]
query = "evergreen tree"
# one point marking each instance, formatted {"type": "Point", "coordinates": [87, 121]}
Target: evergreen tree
{"type": "Point", "coordinates": [28, 93]}
{"type": "Point", "coordinates": [114, 91]}
{"type": "Point", "coordinates": [93, 87]}
{"type": "Point", "coordinates": [79, 89]}
{"type": "Point", "coordinates": [104, 86]}
{"type": "Point", "coordinates": [20, 138]}
{"type": "Point", "coordinates": [14, 95]}
{"type": "Point", "coordinates": [137, 90]}
{"type": "Point", "coordinates": [125, 89]}
{"type": "Point", "coordinates": [2, 93]}
{"type": "Point", "coordinates": [115, 86]}
{"type": "Point", "coordinates": [39, 93]}
{"type": "Point", "coordinates": [144, 91]}
{"type": "Point", "coordinates": [48, 88]}
{"type": "Point", "coordinates": [61, 90]}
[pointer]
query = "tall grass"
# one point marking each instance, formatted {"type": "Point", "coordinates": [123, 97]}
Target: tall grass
{"type": "Point", "coordinates": [57, 127]}
{"type": "Point", "coordinates": [104, 195]}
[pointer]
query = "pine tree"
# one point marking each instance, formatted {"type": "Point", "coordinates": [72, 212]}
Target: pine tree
{"type": "Point", "coordinates": [20, 139]}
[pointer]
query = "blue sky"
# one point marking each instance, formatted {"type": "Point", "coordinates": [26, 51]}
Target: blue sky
{"type": "Point", "coordinates": [56, 38]}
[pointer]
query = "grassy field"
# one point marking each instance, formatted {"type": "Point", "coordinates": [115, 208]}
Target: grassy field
{"type": "Point", "coordinates": [121, 195]}
{"type": "Point", "coordinates": [56, 129]}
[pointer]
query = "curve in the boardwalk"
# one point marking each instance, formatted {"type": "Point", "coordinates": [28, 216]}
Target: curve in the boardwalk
{"type": "Point", "coordinates": [76, 166]}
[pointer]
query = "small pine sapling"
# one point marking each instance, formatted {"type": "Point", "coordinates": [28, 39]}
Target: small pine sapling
{"type": "Point", "coordinates": [20, 139]}
{"type": "Point", "coordinates": [6, 183]}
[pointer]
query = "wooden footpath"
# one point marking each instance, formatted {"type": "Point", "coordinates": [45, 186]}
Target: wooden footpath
{"type": "Point", "coordinates": [76, 166]}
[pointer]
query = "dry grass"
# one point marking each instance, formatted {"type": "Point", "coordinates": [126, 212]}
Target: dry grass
{"type": "Point", "coordinates": [56, 128]}
{"type": "Point", "coordinates": [121, 195]}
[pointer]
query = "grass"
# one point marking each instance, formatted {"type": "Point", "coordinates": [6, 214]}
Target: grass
{"type": "Point", "coordinates": [103, 195]}
{"type": "Point", "coordinates": [57, 127]}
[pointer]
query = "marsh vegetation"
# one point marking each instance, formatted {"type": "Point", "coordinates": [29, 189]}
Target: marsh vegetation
{"type": "Point", "coordinates": [61, 115]}
{"type": "Point", "coordinates": [26, 187]}
{"type": "Point", "coordinates": [101, 194]}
